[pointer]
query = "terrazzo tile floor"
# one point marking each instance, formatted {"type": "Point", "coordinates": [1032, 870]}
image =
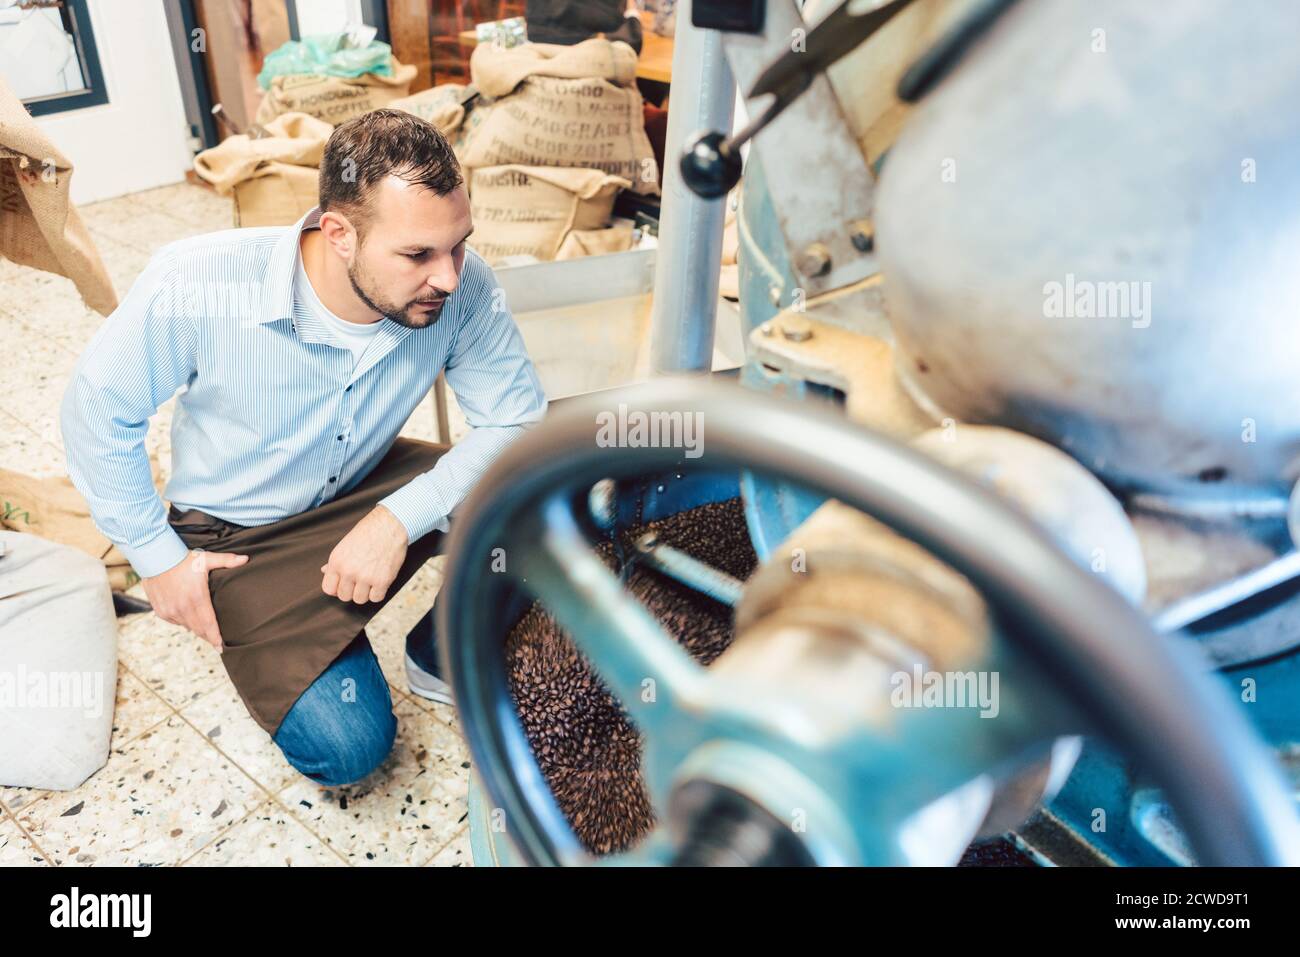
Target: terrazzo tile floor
{"type": "Point", "coordinates": [191, 779]}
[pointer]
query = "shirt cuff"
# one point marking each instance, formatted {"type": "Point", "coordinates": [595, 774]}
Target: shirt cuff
{"type": "Point", "coordinates": [156, 556]}
{"type": "Point", "coordinates": [410, 506]}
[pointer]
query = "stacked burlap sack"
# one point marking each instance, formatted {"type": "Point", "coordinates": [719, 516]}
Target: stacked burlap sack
{"type": "Point", "coordinates": [547, 135]}
{"type": "Point", "coordinates": [554, 134]}
{"type": "Point", "coordinates": [334, 99]}
{"type": "Point", "coordinates": [274, 179]}
{"type": "Point", "coordinates": [273, 173]}
{"type": "Point", "coordinates": [545, 212]}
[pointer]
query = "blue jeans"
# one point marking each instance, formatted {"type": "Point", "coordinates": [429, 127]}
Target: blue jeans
{"type": "Point", "coordinates": [342, 726]}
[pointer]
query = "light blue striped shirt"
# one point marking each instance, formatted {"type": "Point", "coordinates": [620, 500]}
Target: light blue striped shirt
{"type": "Point", "coordinates": [274, 416]}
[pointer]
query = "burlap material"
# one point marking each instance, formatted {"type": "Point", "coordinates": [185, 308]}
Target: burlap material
{"type": "Point", "coordinates": [334, 99]}
{"type": "Point", "coordinates": [39, 226]}
{"type": "Point", "coordinates": [278, 198]}
{"type": "Point", "coordinates": [587, 123]}
{"type": "Point", "coordinates": [616, 238]}
{"type": "Point", "coordinates": [560, 106]}
{"type": "Point", "coordinates": [274, 179]}
{"type": "Point", "coordinates": [474, 116]}
{"type": "Point", "coordinates": [52, 508]}
{"type": "Point", "coordinates": [440, 106]}
{"type": "Point", "coordinates": [497, 70]}
{"type": "Point", "coordinates": [296, 139]}
{"type": "Point", "coordinates": [529, 210]}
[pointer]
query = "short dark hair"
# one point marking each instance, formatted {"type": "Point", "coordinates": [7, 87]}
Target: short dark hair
{"type": "Point", "coordinates": [369, 147]}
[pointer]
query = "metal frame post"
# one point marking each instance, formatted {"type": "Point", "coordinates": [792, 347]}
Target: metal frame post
{"type": "Point", "coordinates": [702, 97]}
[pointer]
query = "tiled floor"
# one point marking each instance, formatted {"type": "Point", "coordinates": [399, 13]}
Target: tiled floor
{"type": "Point", "coordinates": [191, 778]}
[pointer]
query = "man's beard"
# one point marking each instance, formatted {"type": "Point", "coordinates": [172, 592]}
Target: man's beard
{"type": "Point", "coordinates": [399, 314]}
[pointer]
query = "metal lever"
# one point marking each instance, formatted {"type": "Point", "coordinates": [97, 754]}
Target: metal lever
{"type": "Point", "coordinates": [675, 563]}
{"type": "Point", "coordinates": [937, 62]}
{"type": "Point", "coordinates": [710, 164]}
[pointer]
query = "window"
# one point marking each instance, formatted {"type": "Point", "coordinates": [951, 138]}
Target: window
{"type": "Point", "coordinates": [48, 56]}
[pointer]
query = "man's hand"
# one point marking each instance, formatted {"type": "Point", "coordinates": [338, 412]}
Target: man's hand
{"type": "Point", "coordinates": [364, 564]}
{"type": "Point", "coordinates": [180, 595]}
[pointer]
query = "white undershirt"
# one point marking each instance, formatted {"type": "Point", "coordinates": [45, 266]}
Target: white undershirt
{"type": "Point", "coordinates": [355, 335]}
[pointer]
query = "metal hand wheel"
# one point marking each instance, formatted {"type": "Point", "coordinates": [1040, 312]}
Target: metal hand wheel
{"type": "Point", "coordinates": [1107, 671]}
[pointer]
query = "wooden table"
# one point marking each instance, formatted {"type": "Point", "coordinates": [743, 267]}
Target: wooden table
{"type": "Point", "coordinates": [654, 63]}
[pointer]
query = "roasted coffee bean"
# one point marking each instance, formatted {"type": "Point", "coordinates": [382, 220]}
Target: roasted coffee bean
{"type": "Point", "coordinates": [588, 751]}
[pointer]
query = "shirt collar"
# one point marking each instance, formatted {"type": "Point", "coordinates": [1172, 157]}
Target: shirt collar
{"type": "Point", "coordinates": [278, 295]}
{"type": "Point", "coordinates": [277, 290]}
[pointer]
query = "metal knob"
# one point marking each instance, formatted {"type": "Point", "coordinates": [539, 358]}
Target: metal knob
{"type": "Point", "coordinates": [710, 165]}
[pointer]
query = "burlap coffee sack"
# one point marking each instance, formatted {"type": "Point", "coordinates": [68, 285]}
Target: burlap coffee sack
{"type": "Point", "coordinates": [39, 226]}
{"type": "Point", "coordinates": [529, 210]}
{"type": "Point", "coordinates": [296, 139]}
{"type": "Point", "coordinates": [616, 238]}
{"type": "Point", "coordinates": [334, 99]}
{"type": "Point", "coordinates": [497, 70]}
{"type": "Point", "coordinates": [274, 179]}
{"type": "Point", "coordinates": [589, 123]}
{"type": "Point", "coordinates": [51, 507]}
{"type": "Point", "coordinates": [441, 106]}
{"type": "Point", "coordinates": [278, 198]}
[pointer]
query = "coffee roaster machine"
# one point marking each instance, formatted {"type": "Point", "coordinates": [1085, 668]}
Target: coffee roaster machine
{"type": "Point", "coordinates": [1019, 402]}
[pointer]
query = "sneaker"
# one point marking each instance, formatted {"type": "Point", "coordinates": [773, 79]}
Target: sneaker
{"type": "Point", "coordinates": [426, 684]}
{"type": "Point", "coordinates": [423, 673]}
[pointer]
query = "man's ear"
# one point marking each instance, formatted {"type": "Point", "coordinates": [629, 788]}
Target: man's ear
{"type": "Point", "coordinates": [339, 233]}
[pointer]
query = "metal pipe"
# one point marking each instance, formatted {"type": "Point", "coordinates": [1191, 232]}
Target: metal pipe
{"type": "Point", "coordinates": [690, 571]}
{"type": "Point", "coordinates": [1197, 607]}
{"type": "Point", "coordinates": [690, 228]}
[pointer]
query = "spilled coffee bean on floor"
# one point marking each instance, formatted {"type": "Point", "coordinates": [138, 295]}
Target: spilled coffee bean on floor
{"type": "Point", "coordinates": [588, 751]}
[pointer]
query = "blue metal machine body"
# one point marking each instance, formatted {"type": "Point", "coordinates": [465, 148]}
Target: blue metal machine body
{"type": "Point", "coordinates": [1137, 827]}
{"type": "Point", "coordinates": [773, 509]}
{"type": "Point", "coordinates": [1106, 803]}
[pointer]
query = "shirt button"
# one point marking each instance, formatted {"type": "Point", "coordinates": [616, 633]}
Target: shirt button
{"type": "Point", "coordinates": [340, 438]}
{"type": "Point", "coordinates": [348, 389]}
{"type": "Point", "coordinates": [332, 477]}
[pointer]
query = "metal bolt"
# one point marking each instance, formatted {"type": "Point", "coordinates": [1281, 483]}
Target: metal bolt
{"type": "Point", "coordinates": [796, 327]}
{"type": "Point", "coordinates": [766, 329]}
{"type": "Point", "coordinates": [815, 260]}
{"type": "Point", "coordinates": [603, 503]}
{"type": "Point", "coordinates": [863, 235]}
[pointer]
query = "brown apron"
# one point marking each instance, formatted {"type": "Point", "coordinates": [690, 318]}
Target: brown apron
{"type": "Point", "coordinates": [279, 629]}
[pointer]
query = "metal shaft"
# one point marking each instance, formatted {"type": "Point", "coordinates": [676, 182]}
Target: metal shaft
{"type": "Point", "coordinates": [1197, 607]}
{"type": "Point", "coordinates": [690, 228]}
{"type": "Point", "coordinates": [704, 578]}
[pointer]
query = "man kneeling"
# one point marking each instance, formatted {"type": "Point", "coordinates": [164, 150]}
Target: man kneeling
{"type": "Point", "coordinates": [296, 512]}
